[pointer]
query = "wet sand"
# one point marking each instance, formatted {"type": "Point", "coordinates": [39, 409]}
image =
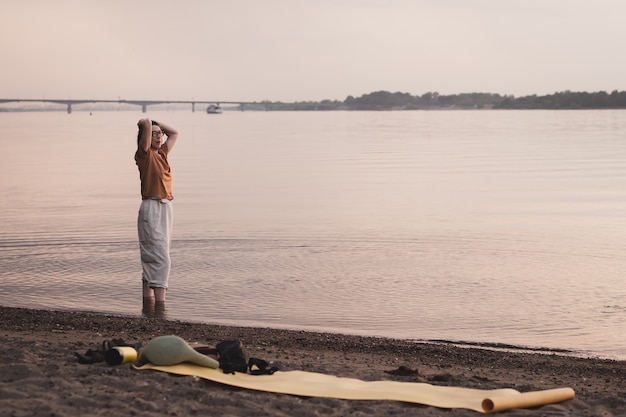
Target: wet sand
{"type": "Point", "coordinates": [40, 375]}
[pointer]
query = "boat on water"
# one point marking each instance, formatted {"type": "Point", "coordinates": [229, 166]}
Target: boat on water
{"type": "Point", "coordinates": [214, 109]}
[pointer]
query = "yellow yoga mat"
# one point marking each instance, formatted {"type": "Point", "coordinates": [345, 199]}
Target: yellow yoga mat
{"type": "Point", "coordinates": [311, 384]}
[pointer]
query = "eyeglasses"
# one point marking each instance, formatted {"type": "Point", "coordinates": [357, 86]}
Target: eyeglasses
{"type": "Point", "coordinates": [157, 133]}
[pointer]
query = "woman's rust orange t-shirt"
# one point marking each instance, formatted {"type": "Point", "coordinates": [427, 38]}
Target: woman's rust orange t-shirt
{"type": "Point", "coordinates": [154, 172]}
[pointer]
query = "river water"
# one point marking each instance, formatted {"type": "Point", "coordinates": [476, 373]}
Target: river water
{"type": "Point", "coordinates": [504, 227]}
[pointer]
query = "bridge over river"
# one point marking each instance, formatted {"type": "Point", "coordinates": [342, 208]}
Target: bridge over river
{"type": "Point", "coordinates": [143, 103]}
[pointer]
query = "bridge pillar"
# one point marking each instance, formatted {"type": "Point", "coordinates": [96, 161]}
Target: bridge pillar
{"type": "Point", "coordinates": [193, 107]}
{"type": "Point", "coordinates": [143, 108]}
{"type": "Point", "coordinates": [69, 107]}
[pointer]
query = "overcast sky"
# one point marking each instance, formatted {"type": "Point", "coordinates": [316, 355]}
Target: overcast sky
{"type": "Point", "coordinates": [298, 50]}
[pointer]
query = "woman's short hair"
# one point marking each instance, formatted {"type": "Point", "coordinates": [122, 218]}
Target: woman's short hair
{"type": "Point", "coordinates": [154, 123]}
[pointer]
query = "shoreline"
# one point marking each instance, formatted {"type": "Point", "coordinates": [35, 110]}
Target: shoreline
{"type": "Point", "coordinates": [495, 346]}
{"type": "Point", "coordinates": [149, 313]}
{"type": "Point", "coordinates": [39, 372]}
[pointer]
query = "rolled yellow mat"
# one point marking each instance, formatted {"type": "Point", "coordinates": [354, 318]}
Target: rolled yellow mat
{"type": "Point", "coordinates": [120, 354]}
{"type": "Point", "coordinates": [312, 384]}
{"type": "Point", "coordinates": [527, 399]}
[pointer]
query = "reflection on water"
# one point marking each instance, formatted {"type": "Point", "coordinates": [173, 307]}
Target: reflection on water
{"type": "Point", "coordinates": [485, 226]}
{"type": "Point", "coordinates": [154, 310]}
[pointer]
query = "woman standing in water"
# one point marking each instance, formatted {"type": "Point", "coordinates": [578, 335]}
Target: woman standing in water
{"type": "Point", "coordinates": [154, 224]}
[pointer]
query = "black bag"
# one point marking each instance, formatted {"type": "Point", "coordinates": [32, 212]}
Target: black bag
{"type": "Point", "coordinates": [232, 356]}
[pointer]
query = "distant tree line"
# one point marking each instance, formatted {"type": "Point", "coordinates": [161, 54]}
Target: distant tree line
{"type": "Point", "coordinates": [430, 100]}
{"type": "Point", "coordinates": [384, 100]}
{"type": "Point", "coordinates": [567, 100]}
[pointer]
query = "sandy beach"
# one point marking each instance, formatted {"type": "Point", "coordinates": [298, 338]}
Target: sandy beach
{"type": "Point", "coordinates": [40, 374]}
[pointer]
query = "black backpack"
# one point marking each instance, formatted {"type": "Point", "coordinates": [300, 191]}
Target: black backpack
{"type": "Point", "coordinates": [233, 358]}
